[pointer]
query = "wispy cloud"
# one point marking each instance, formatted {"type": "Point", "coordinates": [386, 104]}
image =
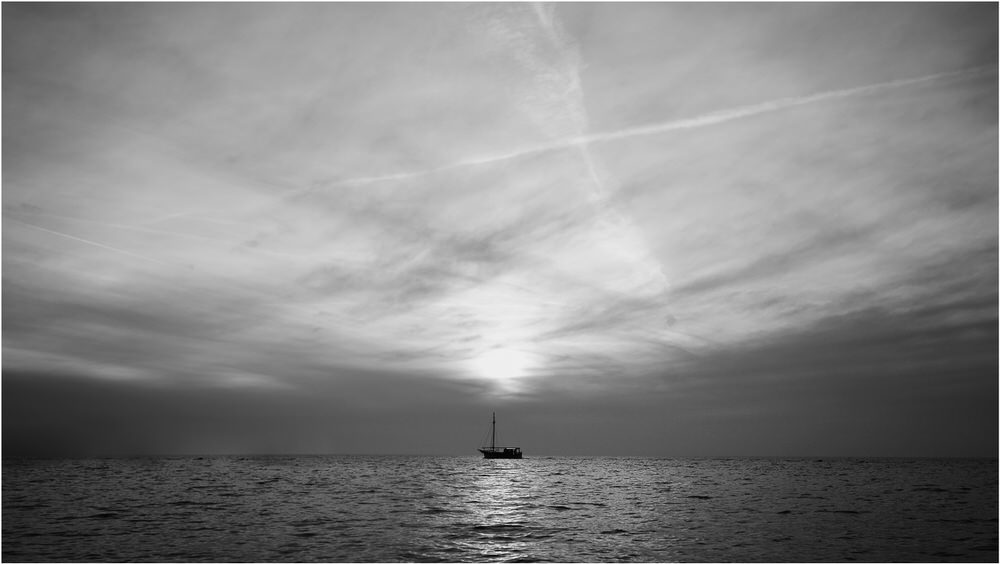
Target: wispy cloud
{"type": "Point", "coordinates": [611, 201]}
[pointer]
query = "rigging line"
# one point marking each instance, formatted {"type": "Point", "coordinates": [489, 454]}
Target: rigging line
{"type": "Point", "coordinates": [486, 437]}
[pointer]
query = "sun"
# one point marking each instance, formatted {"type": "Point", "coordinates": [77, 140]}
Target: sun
{"type": "Point", "coordinates": [500, 365]}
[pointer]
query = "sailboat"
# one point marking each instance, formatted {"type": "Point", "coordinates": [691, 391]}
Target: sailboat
{"type": "Point", "coordinates": [493, 451]}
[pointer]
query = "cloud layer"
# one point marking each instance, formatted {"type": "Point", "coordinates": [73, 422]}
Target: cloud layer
{"type": "Point", "coordinates": [639, 208]}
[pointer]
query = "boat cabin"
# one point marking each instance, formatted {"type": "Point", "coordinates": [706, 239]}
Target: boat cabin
{"type": "Point", "coordinates": [501, 452]}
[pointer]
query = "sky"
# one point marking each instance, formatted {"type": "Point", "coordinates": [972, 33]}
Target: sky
{"type": "Point", "coordinates": [628, 229]}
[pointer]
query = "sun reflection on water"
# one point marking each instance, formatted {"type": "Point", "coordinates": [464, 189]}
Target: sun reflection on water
{"type": "Point", "coordinates": [498, 502]}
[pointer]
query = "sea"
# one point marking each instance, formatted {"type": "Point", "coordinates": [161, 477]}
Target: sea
{"type": "Point", "coordinates": [467, 509]}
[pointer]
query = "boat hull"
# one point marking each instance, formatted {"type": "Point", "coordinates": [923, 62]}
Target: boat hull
{"type": "Point", "coordinates": [501, 452]}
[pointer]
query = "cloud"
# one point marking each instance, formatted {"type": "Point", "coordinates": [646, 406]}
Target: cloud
{"type": "Point", "coordinates": [328, 200]}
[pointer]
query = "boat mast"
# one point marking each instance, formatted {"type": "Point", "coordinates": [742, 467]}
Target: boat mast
{"type": "Point", "coordinates": [493, 441]}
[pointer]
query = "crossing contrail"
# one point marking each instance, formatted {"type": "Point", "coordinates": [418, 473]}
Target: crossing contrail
{"type": "Point", "coordinates": [703, 120]}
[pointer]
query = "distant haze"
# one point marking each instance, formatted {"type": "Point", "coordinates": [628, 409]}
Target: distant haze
{"type": "Point", "coordinates": [629, 229]}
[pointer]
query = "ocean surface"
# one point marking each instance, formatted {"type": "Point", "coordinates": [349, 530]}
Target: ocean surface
{"type": "Point", "coordinates": [424, 508]}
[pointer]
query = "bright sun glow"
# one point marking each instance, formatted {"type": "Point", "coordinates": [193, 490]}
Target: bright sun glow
{"type": "Point", "coordinates": [500, 365]}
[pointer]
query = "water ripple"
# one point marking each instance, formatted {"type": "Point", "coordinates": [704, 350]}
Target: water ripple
{"type": "Point", "coordinates": [365, 509]}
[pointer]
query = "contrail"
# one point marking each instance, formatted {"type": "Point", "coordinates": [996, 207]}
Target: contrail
{"type": "Point", "coordinates": [88, 242]}
{"type": "Point", "coordinates": [465, 163]}
{"type": "Point", "coordinates": [703, 120]}
{"type": "Point", "coordinates": [231, 282]}
{"type": "Point", "coordinates": [491, 159]}
{"type": "Point", "coordinates": [571, 99]}
{"type": "Point", "coordinates": [771, 106]}
{"type": "Point", "coordinates": [233, 242]}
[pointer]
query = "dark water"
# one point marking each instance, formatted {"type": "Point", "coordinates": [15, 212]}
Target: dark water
{"type": "Point", "coordinates": [356, 508]}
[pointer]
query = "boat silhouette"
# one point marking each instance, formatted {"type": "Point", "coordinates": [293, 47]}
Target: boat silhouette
{"type": "Point", "coordinates": [493, 451]}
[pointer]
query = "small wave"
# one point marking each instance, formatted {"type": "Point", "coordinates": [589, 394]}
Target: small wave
{"type": "Point", "coordinates": [25, 506]}
{"type": "Point", "coordinates": [185, 502]}
{"type": "Point", "coordinates": [309, 522]}
{"type": "Point", "coordinates": [502, 527]}
{"type": "Point", "coordinates": [985, 548]}
{"type": "Point", "coordinates": [434, 510]}
{"type": "Point", "coordinates": [943, 554]}
{"type": "Point", "coordinates": [699, 496]}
